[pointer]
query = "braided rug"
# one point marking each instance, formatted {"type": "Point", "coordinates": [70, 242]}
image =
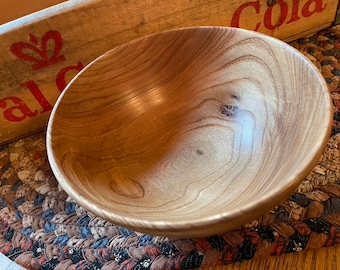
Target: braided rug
{"type": "Point", "coordinates": [42, 228]}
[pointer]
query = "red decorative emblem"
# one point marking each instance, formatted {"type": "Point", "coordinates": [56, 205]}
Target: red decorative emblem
{"type": "Point", "coordinates": [42, 53]}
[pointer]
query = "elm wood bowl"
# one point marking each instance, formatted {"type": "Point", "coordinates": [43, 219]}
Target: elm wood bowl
{"type": "Point", "coordinates": [190, 132]}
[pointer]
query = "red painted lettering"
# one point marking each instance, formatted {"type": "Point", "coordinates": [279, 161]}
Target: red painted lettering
{"type": "Point", "coordinates": [38, 95]}
{"type": "Point", "coordinates": [268, 16]}
{"type": "Point", "coordinates": [235, 21]}
{"type": "Point", "coordinates": [295, 11]}
{"type": "Point", "coordinates": [282, 11]}
{"type": "Point", "coordinates": [17, 112]}
{"type": "Point", "coordinates": [61, 76]}
{"type": "Point", "coordinates": [308, 9]}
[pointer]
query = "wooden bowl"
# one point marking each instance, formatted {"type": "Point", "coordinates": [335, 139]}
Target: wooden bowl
{"type": "Point", "coordinates": [189, 132]}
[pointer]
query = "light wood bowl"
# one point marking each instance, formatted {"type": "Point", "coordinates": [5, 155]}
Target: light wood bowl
{"type": "Point", "coordinates": [189, 132]}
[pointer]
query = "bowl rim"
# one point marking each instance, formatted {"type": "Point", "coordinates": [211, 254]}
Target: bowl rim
{"type": "Point", "coordinates": [166, 228]}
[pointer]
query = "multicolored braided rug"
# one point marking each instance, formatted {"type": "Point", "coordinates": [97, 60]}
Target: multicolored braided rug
{"type": "Point", "coordinates": [42, 228]}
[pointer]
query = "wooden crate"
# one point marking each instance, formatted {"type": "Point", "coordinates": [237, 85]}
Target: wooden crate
{"type": "Point", "coordinates": [42, 51]}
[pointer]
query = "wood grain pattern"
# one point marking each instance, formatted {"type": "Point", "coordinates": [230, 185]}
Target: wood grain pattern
{"type": "Point", "coordinates": [189, 132]}
{"type": "Point", "coordinates": [323, 258]}
{"type": "Point", "coordinates": [89, 28]}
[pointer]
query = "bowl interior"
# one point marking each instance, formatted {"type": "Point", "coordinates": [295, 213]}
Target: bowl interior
{"type": "Point", "coordinates": [189, 132]}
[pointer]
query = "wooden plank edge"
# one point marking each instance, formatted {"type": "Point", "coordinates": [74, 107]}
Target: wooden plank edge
{"type": "Point", "coordinates": [25, 135]}
{"type": "Point", "coordinates": [308, 32]}
{"type": "Point", "coordinates": [40, 15]}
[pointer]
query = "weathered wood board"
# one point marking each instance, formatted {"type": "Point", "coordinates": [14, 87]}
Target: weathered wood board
{"type": "Point", "coordinates": [42, 51]}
